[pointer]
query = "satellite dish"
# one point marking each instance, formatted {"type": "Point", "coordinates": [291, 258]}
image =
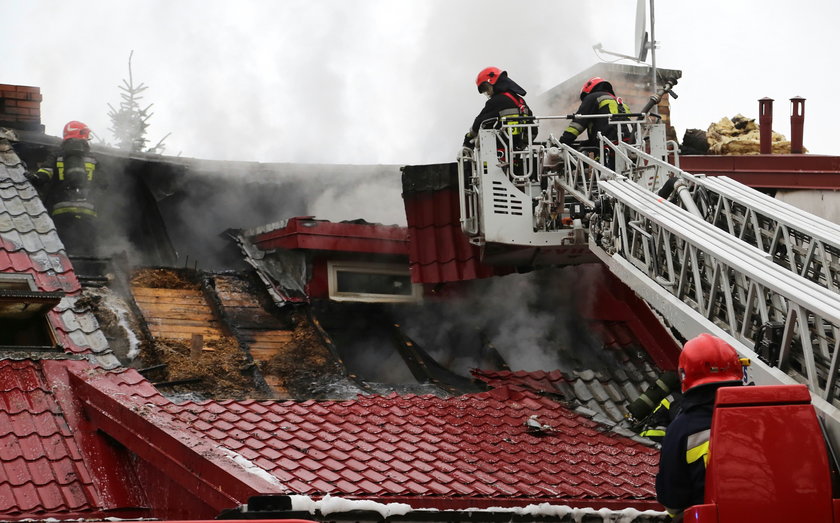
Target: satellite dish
{"type": "Point", "coordinates": [641, 35]}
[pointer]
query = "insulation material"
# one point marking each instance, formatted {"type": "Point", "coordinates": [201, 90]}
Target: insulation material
{"type": "Point", "coordinates": [740, 135]}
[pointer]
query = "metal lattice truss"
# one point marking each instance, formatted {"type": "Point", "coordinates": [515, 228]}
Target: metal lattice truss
{"type": "Point", "coordinates": [726, 282]}
{"type": "Point", "coordinates": [805, 244]}
{"type": "Point", "coordinates": [580, 174]}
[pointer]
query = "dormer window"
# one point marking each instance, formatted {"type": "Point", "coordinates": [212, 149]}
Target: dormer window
{"type": "Point", "coordinates": [23, 309]}
{"type": "Point", "coordinates": [371, 282]}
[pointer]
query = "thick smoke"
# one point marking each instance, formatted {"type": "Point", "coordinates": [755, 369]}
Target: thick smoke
{"type": "Point", "coordinates": [536, 321]}
{"type": "Point", "coordinates": [206, 204]}
{"type": "Point", "coordinates": [374, 81]}
{"type": "Point", "coordinates": [370, 82]}
{"type": "Point", "coordinates": [377, 200]}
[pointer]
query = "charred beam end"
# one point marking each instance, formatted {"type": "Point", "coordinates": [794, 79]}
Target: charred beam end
{"type": "Point", "coordinates": [429, 178]}
{"type": "Point", "coordinates": [175, 383]}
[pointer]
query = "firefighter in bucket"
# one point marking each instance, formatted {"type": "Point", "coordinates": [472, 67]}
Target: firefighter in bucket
{"type": "Point", "coordinates": [505, 105]}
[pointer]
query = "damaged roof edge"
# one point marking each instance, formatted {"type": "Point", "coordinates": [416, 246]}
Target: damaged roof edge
{"type": "Point", "coordinates": [429, 178]}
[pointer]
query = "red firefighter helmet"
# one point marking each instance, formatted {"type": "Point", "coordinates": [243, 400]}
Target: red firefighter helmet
{"type": "Point", "coordinates": [590, 85]}
{"type": "Point", "coordinates": [75, 129]}
{"type": "Point", "coordinates": [708, 359]}
{"type": "Point", "coordinates": [488, 74]}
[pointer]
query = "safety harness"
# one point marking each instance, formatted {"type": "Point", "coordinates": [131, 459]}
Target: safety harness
{"type": "Point", "coordinates": [508, 115]}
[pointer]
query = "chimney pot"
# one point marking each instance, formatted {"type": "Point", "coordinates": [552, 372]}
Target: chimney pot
{"type": "Point", "coordinates": [765, 122]}
{"type": "Point", "coordinates": [797, 124]}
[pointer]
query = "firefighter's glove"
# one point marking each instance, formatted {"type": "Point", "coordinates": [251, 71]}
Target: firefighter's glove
{"type": "Point", "coordinates": [567, 138]}
{"type": "Point", "coordinates": [469, 139]}
{"type": "Point", "coordinates": [31, 177]}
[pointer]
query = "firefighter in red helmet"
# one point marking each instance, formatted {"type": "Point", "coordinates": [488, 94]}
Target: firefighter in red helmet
{"type": "Point", "coordinates": [597, 96]}
{"type": "Point", "coordinates": [505, 100]}
{"type": "Point", "coordinates": [68, 182]}
{"type": "Point", "coordinates": [706, 364]}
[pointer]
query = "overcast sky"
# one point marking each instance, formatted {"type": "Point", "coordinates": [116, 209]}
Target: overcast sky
{"type": "Point", "coordinates": [392, 81]}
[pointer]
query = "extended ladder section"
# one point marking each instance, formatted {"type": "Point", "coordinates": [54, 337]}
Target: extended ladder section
{"type": "Point", "coordinates": [806, 244]}
{"type": "Point", "coordinates": [705, 280]}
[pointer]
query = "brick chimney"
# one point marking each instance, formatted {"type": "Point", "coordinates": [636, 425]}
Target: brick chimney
{"type": "Point", "coordinates": [20, 107]}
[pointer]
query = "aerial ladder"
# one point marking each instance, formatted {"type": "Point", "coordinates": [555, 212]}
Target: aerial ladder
{"type": "Point", "coordinates": [709, 254]}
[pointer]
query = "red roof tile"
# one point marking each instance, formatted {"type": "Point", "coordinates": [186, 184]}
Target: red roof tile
{"type": "Point", "coordinates": [438, 249]}
{"type": "Point", "coordinates": [41, 470]}
{"type": "Point", "coordinates": [479, 459]}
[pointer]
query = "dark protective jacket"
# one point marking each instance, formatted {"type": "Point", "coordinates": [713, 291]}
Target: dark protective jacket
{"type": "Point", "coordinates": [656, 425]}
{"type": "Point", "coordinates": [681, 481]}
{"type": "Point", "coordinates": [597, 102]}
{"type": "Point", "coordinates": [68, 180]}
{"type": "Point", "coordinates": [507, 100]}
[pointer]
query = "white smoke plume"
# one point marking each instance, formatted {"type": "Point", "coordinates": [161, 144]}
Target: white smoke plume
{"type": "Point", "coordinates": [536, 321]}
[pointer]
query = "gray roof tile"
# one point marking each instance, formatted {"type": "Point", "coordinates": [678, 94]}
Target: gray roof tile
{"type": "Point", "coordinates": [34, 247]}
{"type": "Point", "coordinates": [614, 391]}
{"type": "Point", "coordinates": [582, 392]}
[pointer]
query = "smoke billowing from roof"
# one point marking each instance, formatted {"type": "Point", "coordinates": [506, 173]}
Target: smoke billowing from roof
{"type": "Point", "coordinates": [203, 205]}
{"type": "Point", "coordinates": [536, 321]}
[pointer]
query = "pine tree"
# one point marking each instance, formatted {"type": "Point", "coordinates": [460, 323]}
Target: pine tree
{"type": "Point", "coordinates": [130, 122]}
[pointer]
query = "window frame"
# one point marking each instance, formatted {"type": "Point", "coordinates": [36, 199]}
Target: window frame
{"type": "Point", "coordinates": [335, 267]}
{"type": "Point", "coordinates": [29, 306]}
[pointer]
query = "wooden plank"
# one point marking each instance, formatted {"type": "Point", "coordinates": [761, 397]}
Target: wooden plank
{"type": "Point", "coordinates": [196, 327]}
{"type": "Point", "coordinates": [235, 293]}
{"type": "Point", "coordinates": [271, 340]}
{"type": "Point", "coordinates": [277, 340]}
{"type": "Point", "coordinates": [155, 292]}
{"type": "Point", "coordinates": [261, 354]}
{"type": "Point", "coordinates": [182, 320]}
{"type": "Point", "coordinates": [273, 347]}
{"type": "Point", "coordinates": [275, 337]}
{"type": "Point", "coordinates": [186, 301]}
{"type": "Point", "coordinates": [196, 344]}
{"type": "Point", "coordinates": [268, 351]}
{"type": "Point", "coordinates": [277, 385]}
{"type": "Point", "coordinates": [184, 336]}
{"type": "Point", "coordinates": [202, 316]}
{"type": "Point", "coordinates": [231, 303]}
{"type": "Point", "coordinates": [175, 306]}
{"type": "Point", "coordinates": [185, 330]}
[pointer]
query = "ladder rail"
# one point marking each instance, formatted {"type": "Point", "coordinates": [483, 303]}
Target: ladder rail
{"type": "Point", "coordinates": [722, 279]}
{"type": "Point", "coordinates": [808, 245]}
{"type": "Point", "coordinates": [726, 287]}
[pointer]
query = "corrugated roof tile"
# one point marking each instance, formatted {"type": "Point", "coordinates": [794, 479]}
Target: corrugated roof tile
{"type": "Point", "coordinates": [482, 459]}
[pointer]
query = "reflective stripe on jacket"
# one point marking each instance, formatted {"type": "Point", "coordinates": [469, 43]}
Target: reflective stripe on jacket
{"type": "Point", "coordinates": [74, 207]}
{"type": "Point", "coordinates": [697, 446]}
{"type": "Point", "coordinates": [659, 420]}
{"type": "Point", "coordinates": [599, 102]}
{"type": "Point", "coordinates": [89, 166]}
